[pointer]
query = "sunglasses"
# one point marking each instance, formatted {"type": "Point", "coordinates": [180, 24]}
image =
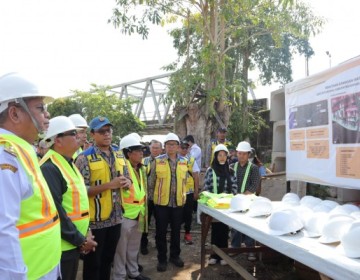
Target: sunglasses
{"type": "Point", "coordinates": [103, 131]}
{"type": "Point", "coordinates": [184, 148]}
{"type": "Point", "coordinates": [69, 133]}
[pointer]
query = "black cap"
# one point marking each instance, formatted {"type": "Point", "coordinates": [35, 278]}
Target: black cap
{"type": "Point", "coordinates": [222, 129]}
{"type": "Point", "coordinates": [184, 142]}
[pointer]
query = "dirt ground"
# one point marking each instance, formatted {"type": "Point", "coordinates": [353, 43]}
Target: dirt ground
{"type": "Point", "coordinates": [268, 266]}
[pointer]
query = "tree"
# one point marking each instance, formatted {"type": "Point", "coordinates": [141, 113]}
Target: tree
{"type": "Point", "coordinates": [98, 103]}
{"type": "Point", "coordinates": [219, 43]}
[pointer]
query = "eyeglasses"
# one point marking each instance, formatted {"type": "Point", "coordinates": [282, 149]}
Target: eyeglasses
{"type": "Point", "coordinates": [69, 133]}
{"type": "Point", "coordinates": [184, 148]}
{"type": "Point", "coordinates": [103, 131]}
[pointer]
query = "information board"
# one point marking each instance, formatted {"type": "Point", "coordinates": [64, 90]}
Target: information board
{"type": "Point", "coordinates": [323, 127]}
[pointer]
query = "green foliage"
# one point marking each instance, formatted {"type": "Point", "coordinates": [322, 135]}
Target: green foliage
{"type": "Point", "coordinates": [238, 132]}
{"type": "Point", "coordinates": [98, 103]}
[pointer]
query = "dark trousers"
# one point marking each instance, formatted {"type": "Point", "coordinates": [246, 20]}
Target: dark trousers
{"type": "Point", "coordinates": [188, 210]}
{"type": "Point", "coordinates": [97, 265]}
{"type": "Point", "coordinates": [69, 264]}
{"type": "Point", "coordinates": [219, 237]}
{"type": "Point", "coordinates": [144, 237]}
{"type": "Point", "coordinates": [165, 215]}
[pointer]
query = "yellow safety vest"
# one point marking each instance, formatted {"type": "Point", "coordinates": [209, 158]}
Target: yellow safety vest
{"type": "Point", "coordinates": [38, 224]}
{"type": "Point", "coordinates": [133, 199]}
{"type": "Point", "coordinates": [75, 200]}
{"type": "Point", "coordinates": [190, 180]}
{"type": "Point", "coordinates": [163, 180]}
{"type": "Point", "coordinates": [101, 205]}
{"type": "Point", "coordinates": [78, 152]}
{"type": "Point", "coordinates": [214, 143]}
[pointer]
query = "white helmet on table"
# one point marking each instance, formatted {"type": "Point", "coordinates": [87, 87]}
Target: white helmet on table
{"type": "Point", "coordinates": [350, 244]}
{"type": "Point", "coordinates": [314, 225]}
{"type": "Point", "coordinates": [284, 222]}
{"type": "Point", "coordinates": [310, 201]}
{"type": "Point", "coordinates": [291, 199]}
{"type": "Point", "coordinates": [261, 206]}
{"type": "Point", "coordinates": [240, 203]}
{"type": "Point", "coordinates": [334, 228]}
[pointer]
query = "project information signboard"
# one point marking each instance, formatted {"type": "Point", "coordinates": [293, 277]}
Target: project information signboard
{"type": "Point", "coordinates": [323, 127]}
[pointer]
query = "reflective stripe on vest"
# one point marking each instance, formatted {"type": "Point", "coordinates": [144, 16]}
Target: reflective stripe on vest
{"type": "Point", "coordinates": [163, 180]}
{"type": "Point", "coordinates": [245, 176]}
{"type": "Point", "coordinates": [38, 224]}
{"type": "Point", "coordinates": [75, 200]}
{"type": "Point", "coordinates": [133, 199]}
{"type": "Point", "coordinates": [101, 205]}
{"type": "Point", "coordinates": [190, 180]}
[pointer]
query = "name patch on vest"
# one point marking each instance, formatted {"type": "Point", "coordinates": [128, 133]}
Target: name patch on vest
{"type": "Point", "coordinates": [95, 159]}
{"type": "Point", "coordinates": [10, 167]}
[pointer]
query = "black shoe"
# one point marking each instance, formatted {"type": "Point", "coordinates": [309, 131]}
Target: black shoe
{"type": "Point", "coordinates": [140, 268]}
{"type": "Point", "coordinates": [144, 250]}
{"type": "Point", "coordinates": [161, 266]}
{"type": "Point", "coordinates": [177, 261]}
{"type": "Point", "coordinates": [140, 277]}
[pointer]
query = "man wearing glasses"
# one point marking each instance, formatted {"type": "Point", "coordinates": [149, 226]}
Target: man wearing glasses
{"type": "Point", "coordinates": [69, 192]}
{"type": "Point", "coordinates": [168, 175]}
{"type": "Point", "coordinates": [101, 167]}
{"type": "Point", "coordinates": [30, 246]}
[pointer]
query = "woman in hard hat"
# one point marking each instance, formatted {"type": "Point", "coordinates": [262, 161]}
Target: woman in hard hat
{"type": "Point", "coordinates": [219, 179]}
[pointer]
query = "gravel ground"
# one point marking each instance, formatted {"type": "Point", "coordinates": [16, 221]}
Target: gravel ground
{"type": "Point", "coordinates": [271, 266]}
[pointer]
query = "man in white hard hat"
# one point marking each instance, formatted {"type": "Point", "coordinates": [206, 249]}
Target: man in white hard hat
{"type": "Point", "coordinates": [133, 201]}
{"type": "Point", "coordinates": [155, 150]}
{"type": "Point", "coordinates": [81, 125]}
{"type": "Point", "coordinates": [248, 179]}
{"type": "Point", "coordinates": [30, 246]}
{"type": "Point", "coordinates": [101, 167]}
{"type": "Point", "coordinates": [168, 175]}
{"type": "Point", "coordinates": [69, 192]}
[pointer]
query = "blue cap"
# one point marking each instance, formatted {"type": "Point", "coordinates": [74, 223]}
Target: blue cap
{"type": "Point", "coordinates": [98, 123]}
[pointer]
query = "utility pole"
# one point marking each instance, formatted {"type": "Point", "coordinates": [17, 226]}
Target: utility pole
{"type": "Point", "coordinates": [329, 55]}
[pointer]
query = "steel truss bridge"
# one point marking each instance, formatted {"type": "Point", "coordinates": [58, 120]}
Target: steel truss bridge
{"type": "Point", "coordinates": [153, 107]}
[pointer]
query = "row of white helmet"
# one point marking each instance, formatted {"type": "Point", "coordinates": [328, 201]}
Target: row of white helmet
{"type": "Point", "coordinates": [325, 219]}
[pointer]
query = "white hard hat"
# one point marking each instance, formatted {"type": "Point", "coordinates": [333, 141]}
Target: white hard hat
{"type": "Point", "coordinates": [339, 210]}
{"type": "Point", "coordinates": [348, 207]}
{"type": "Point", "coordinates": [321, 208]}
{"type": "Point", "coordinates": [78, 120]}
{"type": "Point", "coordinates": [334, 228]}
{"type": "Point", "coordinates": [171, 137]}
{"type": "Point", "coordinates": [291, 199]}
{"type": "Point", "coordinates": [284, 222]}
{"type": "Point", "coordinates": [350, 242]}
{"type": "Point", "coordinates": [261, 206]}
{"type": "Point", "coordinates": [14, 86]}
{"type": "Point", "coordinates": [329, 203]}
{"type": "Point", "coordinates": [304, 213]}
{"type": "Point", "coordinates": [221, 147]}
{"type": "Point", "coordinates": [129, 141]}
{"type": "Point", "coordinates": [240, 203]}
{"type": "Point", "coordinates": [57, 125]}
{"type": "Point", "coordinates": [243, 147]}
{"type": "Point", "coordinates": [314, 225]}
{"type": "Point", "coordinates": [136, 135]}
{"type": "Point", "coordinates": [355, 215]}
{"type": "Point", "coordinates": [310, 201]}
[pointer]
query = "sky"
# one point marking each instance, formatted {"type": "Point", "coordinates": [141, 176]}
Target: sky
{"type": "Point", "coordinates": [68, 44]}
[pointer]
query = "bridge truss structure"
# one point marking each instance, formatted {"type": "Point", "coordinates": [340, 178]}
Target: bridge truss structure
{"type": "Point", "coordinates": [152, 107]}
